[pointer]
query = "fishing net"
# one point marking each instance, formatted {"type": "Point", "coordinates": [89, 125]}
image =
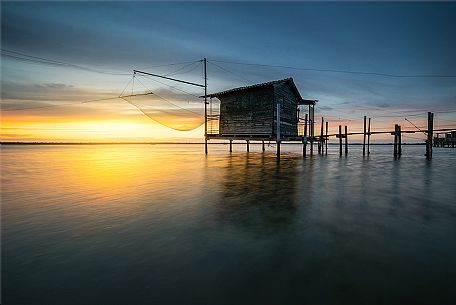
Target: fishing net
{"type": "Point", "coordinates": [178, 115]}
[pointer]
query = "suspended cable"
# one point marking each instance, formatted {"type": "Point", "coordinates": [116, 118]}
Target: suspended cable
{"type": "Point", "coordinates": [340, 71]}
{"type": "Point", "coordinates": [176, 72]}
{"type": "Point", "coordinates": [415, 125]}
{"type": "Point", "coordinates": [50, 62]}
{"type": "Point", "coordinates": [245, 80]}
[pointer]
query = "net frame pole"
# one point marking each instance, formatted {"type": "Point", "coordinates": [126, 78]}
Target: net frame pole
{"type": "Point", "coordinates": [205, 105]}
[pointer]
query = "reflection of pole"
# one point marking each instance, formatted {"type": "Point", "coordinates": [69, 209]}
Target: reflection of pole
{"type": "Point", "coordinates": [205, 105]}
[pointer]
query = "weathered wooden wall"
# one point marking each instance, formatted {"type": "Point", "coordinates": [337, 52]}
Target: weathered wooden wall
{"type": "Point", "coordinates": [284, 95]}
{"type": "Point", "coordinates": [247, 112]}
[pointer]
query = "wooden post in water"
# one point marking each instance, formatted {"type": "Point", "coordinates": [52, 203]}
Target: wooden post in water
{"type": "Point", "coordinates": [429, 135]}
{"type": "Point", "coordinates": [304, 139]}
{"type": "Point", "coordinates": [326, 138]}
{"type": "Point", "coordinates": [364, 137]}
{"type": "Point", "coordinates": [278, 131]}
{"type": "Point", "coordinates": [340, 140]}
{"type": "Point", "coordinates": [321, 136]}
{"type": "Point", "coordinates": [262, 146]}
{"type": "Point", "coordinates": [205, 106]}
{"type": "Point", "coordinates": [346, 140]}
{"type": "Point", "coordinates": [399, 141]}
{"type": "Point", "coordinates": [395, 141]}
{"type": "Point", "coordinates": [248, 145]}
{"type": "Point", "coordinates": [368, 137]}
{"type": "Point", "coordinates": [231, 145]}
{"type": "Point", "coordinates": [311, 132]}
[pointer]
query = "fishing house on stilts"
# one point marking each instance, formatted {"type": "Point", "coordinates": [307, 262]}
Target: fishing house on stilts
{"type": "Point", "coordinates": [272, 111]}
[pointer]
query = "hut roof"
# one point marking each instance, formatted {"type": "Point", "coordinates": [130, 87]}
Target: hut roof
{"type": "Point", "coordinates": [271, 83]}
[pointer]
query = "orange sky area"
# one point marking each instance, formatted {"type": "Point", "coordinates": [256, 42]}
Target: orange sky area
{"type": "Point", "coordinates": [137, 127]}
{"type": "Point", "coordinates": [114, 128]}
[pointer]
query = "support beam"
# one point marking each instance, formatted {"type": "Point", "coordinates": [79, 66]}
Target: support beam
{"type": "Point", "coordinates": [364, 137]}
{"type": "Point", "coordinates": [321, 136]}
{"type": "Point", "coordinates": [340, 140]}
{"type": "Point", "coordinates": [326, 138]}
{"type": "Point", "coordinates": [278, 149]}
{"type": "Point", "coordinates": [395, 140]}
{"type": "Point", "coordinates": [399, 141]}
{"type": "Point", "coordinates": [231, 145]}
{"type": "Point", "coordinates": [429, 135]}
{"type": "Point", "coordinates": [262, 146]}
{"type": "Point", "coordinates": [368, 137]}
{"type": "Point", "coordinates": [346, 140]}
{"type": "Point", "coordinates": [312, 129]}
{"type": "Point", "coordinates": [248, 145]}
{"type": "Point", "coordinates": [278, 131]}
{"type": "Point", "coordinates": [205, 106]}
{"type": "Point", "coordinates": [304, 139]}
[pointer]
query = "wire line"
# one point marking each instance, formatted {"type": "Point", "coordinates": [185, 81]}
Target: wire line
{"type": "Point", "coordinates": [340, 71]}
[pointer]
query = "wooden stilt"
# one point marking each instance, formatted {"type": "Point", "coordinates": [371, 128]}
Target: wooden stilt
{"type": "Point", "coordinates": [340, 140]}
{"type": "Point", "coordinates": [248, 146]}
{"type": "Point", "coordinates": [346, 141]}
{"type": "Point", "coordinates": [205, 106]}
{"type": "Point", "coordinates": [321, 136]}
{"type": "Point", "coordinates": [278, 131]}
{"type": "Point", "coordinates": [399, 141]}
{"type": "Point", "coordinates": [304, 139]}
{"type": "Point", "coordinates": [429, 135]}
{"type": "Point", "coordinates": [262, 146]}
{"type": "Point", "coordinates": [395, 141]}
{"type": "Point", "coordinates": [326, 138]}
{"type": "Point", "coordinates": [311, 138]}
{"type": "Point", "coordinates": [231, 145]}
{"type": "Point", "coordinates": [368, 137]}
{"type": "Point", "coordinates": [364, 137]}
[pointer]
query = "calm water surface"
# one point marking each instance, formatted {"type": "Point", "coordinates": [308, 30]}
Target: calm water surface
{"type": "Point", "coordinates": [164, 224]}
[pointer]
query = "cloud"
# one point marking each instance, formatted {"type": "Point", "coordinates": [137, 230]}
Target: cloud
{"type": "Point", "coordinates": [326, 108]}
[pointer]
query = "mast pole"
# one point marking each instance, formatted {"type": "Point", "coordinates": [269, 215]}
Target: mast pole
{"type": "Point", "coordinates": [205, 105]}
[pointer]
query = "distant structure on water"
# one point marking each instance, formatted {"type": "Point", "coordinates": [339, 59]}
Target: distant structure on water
{"type": "Point", "coordinates": [266, 111]}
{"type": "Point", "coordinates": [448, 140]}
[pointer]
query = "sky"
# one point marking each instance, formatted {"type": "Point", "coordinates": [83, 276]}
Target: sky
{"type": "Point", "coordinates": [109, 40]}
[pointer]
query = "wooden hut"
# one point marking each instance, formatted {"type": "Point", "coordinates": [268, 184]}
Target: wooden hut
{"type": "Point", "coordinates": [251, 112]}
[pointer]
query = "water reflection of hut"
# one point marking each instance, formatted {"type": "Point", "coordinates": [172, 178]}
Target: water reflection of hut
{"type": "Point", "coordinates": [259, 194]}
